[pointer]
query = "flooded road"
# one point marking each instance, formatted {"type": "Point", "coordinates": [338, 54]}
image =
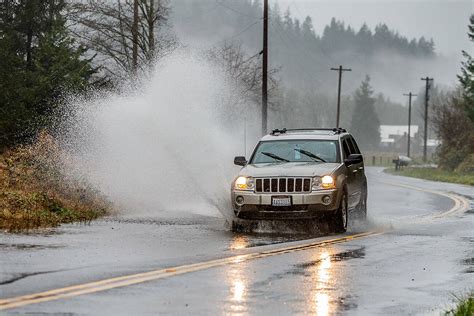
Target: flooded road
{"type": "Point", "coordinates": [416, 252]}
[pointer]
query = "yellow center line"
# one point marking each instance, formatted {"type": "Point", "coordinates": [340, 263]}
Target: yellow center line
{"type": "Point", "coordinates": [460, 204]}
{"type": "Point", "coordinates": [132, 279]}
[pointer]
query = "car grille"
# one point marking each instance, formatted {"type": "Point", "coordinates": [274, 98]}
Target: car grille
{"type": "Point", "coordinates": [282, 185]}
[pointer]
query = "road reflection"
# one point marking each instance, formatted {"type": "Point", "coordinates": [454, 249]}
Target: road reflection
{"type": "Point", "coordinates": [320, 299]}
{"type": "Point", "coordinates": [237, 278]}
{"type": "Point", "coordinates": [239, 242]}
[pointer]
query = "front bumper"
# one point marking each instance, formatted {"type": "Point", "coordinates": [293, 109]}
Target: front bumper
{"type": "Point", "coordinates": [304, 205]}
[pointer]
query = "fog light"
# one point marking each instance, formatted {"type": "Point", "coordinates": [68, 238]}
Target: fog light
{"type": "Point", "coordinates": [239, 200]}
{"type": "Point", "coordinates": [326, 199]}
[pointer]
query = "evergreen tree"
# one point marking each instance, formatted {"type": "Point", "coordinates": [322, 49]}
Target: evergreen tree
{"type": "Point", "coordinates": [467, 75]}
{"type": "Point", "coordinates": [39, 63]}
{"type": "Point", "coordinates": [365, 123]}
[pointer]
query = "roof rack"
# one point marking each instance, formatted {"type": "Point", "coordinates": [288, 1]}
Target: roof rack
{"type": "Point", "coordinates": [336, 130]}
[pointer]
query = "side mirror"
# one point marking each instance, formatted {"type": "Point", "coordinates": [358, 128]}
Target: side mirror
{"type": "Point", "coordinates": [240, 161]}
{"type": "Point", "coordinates": [353, 159]}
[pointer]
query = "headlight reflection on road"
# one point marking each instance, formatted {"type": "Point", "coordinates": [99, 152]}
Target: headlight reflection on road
{"type": "Point", "coordinates": [237, 280]}
{"type": "Point", "coordinates": [238, 290]}
{"type": "Point", "coordinates": [239, 242]}
{"type": "Point", "coordinates": [320, 278]}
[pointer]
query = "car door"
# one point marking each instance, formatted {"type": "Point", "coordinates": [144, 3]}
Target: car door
{"type": "Point", "coordinates": [351, 173]}
{"type": "Point", "coordinates": [358, 170]}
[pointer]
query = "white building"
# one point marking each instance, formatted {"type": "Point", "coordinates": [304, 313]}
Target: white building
{"type": "Point", "coordinates": [388, 133]}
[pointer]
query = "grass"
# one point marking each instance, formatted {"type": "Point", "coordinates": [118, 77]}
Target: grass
{"type": "Point", "coordinates": [41, 188]}
{"type": "Point", "coordinates": [434, 174]}
{"type": "Point", "coordinates": [464, 307]}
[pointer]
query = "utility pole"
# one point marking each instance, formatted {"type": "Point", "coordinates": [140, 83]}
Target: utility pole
{"type": "Point", "coordinates": [340, 69]}
{"type": "Point", "coordinates": [410, 95]}
{"type": "Point", "coordinates": [265, 69]}
{"type": "Point", "coordinates": [135, 37]}
{"type": "Point", "coordinates": [425, 136]}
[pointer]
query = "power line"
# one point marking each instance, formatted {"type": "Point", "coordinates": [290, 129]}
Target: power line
{"type": "Point", "coordinates": [234, 10]}
{"type": "Point", "coordinates": [239, 33]}
{"type": "Point", "coordinates": [188, 18]}
{"type": "Point", "coordinates": [303, 68]}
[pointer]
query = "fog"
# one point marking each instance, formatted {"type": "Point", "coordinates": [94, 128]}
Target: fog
{"type": "Point", "coordinates": [442, 20]}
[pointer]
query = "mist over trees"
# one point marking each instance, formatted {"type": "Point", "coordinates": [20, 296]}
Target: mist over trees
{"type": "Point", "coordinates": [308, 87]}
{"type": "Point", "coordinates": [51, 48]}
{"type": "Point", "coordinates": [365, 123]}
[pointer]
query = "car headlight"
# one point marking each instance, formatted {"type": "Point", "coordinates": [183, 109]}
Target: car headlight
{"type": "Point", "coordinates": [326, 182]}
{"type": "Point", "coordinates": [244, 183]}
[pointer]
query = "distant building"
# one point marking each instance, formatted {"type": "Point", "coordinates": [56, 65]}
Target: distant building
{"type": "Point", "coordinates": [390, 133]}
{"type": "Point", "coordinates": [394, 138]}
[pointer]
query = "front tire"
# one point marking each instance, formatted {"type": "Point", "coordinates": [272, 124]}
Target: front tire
{"type": "Point", "coordinates": [342, 215]}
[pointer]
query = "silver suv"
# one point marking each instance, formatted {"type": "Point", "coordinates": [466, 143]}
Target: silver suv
{"type": "Point", "coordinates": [301, 174]}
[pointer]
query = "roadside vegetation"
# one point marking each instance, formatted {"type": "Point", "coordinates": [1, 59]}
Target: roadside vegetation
{"type": "Point", "coordinates": [465, 307]}
{"type": "Point", "coordinates": [39, 187]}
{"type": "Point", "coordinates": [453, 121]}
{"type": "Point", "coordinates": [434, 174]}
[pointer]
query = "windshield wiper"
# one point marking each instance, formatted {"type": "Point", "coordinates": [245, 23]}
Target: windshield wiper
{"type": "Point", "coordinates": [274, 156]}
{"type": "Point", "coordinates": [309, 154]}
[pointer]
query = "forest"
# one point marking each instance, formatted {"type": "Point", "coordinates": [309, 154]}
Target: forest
{"type": "Point", "coordinates": [56, 48]}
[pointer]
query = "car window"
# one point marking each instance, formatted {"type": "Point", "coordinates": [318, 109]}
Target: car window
{"type": "Point", "coordinates": [351, 146]}
{"type": "Point", "coordinates": [354, 145]}
{"type": "Point", "coordinates": [292, 150]}
{"type": "Point", "coordinates": [345, 148]}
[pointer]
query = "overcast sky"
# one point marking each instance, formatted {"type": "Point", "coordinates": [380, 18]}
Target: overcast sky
{"type": "Point", "coordinates": [443, 20]}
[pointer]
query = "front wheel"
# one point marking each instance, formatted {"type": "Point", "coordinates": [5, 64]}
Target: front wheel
{"type": "Point", "coordinates": [341, 215]}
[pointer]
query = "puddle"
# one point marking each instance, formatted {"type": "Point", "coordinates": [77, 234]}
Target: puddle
{"type": "Point", "coordinates": [4, 246]}
{"type": "Point", "coordinates": [163, 222]}
{"type": "Point", "coordinates": [470, 263]}
{"type": "Point", "coordinates": [241, 241]}
{"type": "Point", "coordinates": [347, 255]}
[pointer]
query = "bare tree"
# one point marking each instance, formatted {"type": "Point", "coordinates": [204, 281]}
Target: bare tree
{"type": "Point", "coordinates": [123, 38]}
{"type": "Point", "coordinates": [244, 70]}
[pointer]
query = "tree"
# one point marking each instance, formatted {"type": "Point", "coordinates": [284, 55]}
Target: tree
{"type": "Point", "coordinates": [39, 64]}
{"type": "Point", "coordinates": [467, 75]}
{"type": "Point", "coordinates": [245, 71]}
{"type": "Point", "coordinates": [107, 28]}
{"type": "Point", "coordinates": [365, 123]}
{"type": "Point", "coordinates": [307, 29]}
{"type": "Point", "coordinates": [454, 128]}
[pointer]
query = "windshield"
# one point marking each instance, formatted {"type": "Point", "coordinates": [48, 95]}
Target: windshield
{"type": "Point", "coordinates": [307, 150]}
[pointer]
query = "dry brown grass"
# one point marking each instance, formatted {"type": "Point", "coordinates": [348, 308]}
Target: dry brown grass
{"type": "Point", "coordinates": [40, 187]}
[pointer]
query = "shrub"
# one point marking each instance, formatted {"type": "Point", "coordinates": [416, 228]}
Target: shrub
{"type": "Point", "coordinates": [41, 186]}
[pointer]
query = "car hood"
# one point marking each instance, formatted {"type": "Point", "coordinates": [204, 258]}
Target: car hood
{"type": "Point", "coordinates": [289, 169]}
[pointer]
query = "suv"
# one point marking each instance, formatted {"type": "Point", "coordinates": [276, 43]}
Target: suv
{"type": "Point", "coordinates": [301, 174]}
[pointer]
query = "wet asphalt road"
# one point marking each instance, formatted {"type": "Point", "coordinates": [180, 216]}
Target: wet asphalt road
{"type": "Point", "coordinates": [415, 267]}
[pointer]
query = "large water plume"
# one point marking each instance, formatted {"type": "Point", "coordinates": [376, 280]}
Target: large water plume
{"type": "Point", "coordinates": [168, 145]}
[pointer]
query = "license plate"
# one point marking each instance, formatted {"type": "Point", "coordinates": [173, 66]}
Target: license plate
{"type": "Point", "coordinates": [281, 201]}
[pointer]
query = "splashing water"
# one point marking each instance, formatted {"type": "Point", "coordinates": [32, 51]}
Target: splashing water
{"type": "Point", "coordinates": [167, 146]}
